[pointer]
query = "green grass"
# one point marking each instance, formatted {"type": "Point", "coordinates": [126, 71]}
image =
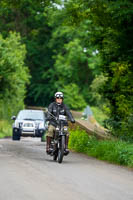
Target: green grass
{"type": "Point", "coordinates": [5, 129]}
{"type": "Point", "coordinates": [118, 152]}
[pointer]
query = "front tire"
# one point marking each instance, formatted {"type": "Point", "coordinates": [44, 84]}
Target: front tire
{"type": "Point", "coordinates": [61, 149]}
{"type": "Point", "coordinates": [15, 136]}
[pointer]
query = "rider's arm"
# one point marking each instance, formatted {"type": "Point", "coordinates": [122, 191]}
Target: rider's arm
{"type": "Point", "coordinates": [69, 114]}
{"type": "Point", "coordinates": [50, 108]}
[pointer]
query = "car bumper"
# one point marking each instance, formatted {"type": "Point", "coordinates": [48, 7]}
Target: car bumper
{"type": "Point", "coordinates": [32, 133]}
{"type": "Point", "coordinates": [39, 132]}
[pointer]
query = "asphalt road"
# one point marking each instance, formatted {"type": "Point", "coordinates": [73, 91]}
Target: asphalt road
{"type": "Point", "coordinates": [27, 173]}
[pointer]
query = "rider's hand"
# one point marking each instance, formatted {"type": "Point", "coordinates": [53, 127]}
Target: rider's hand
{"type": "Point", "coordinates": [72, 121]}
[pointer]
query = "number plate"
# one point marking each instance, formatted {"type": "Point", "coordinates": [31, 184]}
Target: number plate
{"type": "Point", "coordinates": [62, 117]}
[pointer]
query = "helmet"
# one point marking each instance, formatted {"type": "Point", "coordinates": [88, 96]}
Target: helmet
{"type": "Point", "coordinates": [59, 95]}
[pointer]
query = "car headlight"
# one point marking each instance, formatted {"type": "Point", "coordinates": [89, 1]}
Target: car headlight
{"type": "Point", "coordinates": [16, 124]}
{"type": "Point", "coordinates": [41, 125]}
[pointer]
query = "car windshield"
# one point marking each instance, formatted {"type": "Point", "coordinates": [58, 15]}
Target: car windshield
{"type": "Point", "coordinates": [30, 115]}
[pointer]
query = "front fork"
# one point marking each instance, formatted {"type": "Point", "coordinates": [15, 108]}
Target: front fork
{"type": "Point", "coordinates": [60, 142]}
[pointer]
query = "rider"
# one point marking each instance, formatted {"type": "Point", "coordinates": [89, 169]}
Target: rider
{"type": "Point", "coordinates": [57, 108]}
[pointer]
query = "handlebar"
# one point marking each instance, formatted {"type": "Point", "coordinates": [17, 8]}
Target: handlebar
{"type": "Point", "coordinates": [57, 119]}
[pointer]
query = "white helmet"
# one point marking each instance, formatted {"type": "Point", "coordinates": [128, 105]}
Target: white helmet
{"type": "Point", "coordinates": [59, 95]}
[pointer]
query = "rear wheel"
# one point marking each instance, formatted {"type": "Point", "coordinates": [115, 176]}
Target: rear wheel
{"type": "Point", "coordinates": [61, 149]}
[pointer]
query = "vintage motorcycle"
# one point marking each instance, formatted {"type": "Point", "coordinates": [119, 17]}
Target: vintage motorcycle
{"type": "Point", "coordinates": [58, 143]}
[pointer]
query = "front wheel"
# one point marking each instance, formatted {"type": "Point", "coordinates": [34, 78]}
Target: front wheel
{"type": "Point", "coordinates": [61, 149]}
{"type": "Point", "coordinates": [15, 136]}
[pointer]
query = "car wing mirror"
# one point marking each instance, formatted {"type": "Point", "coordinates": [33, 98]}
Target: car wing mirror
{"type": "Point", "coordinates": [13, 117]}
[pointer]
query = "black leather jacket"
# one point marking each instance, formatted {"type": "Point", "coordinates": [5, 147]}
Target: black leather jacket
{"type": "Point", "coordinates": [56, 110]}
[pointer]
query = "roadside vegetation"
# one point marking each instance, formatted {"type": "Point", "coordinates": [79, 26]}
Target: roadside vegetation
{"type": "Point", "coordinates": [5, 129]}
{"type": "Point", "coordinates": [113, 151]}
{"type": "Point", "coordinates": [99, 115]}
{"type": "Point", "coordinates": [14, 76]}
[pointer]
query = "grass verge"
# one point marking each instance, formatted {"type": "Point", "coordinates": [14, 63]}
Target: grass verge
{"type": "Point", "coordinates": [5, 129]}
{"type": "Point", "coordinates": [117, 152]}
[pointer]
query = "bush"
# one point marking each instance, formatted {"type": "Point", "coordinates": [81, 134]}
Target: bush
{"type": "Point", "coordinates": [5, 129]}
{"type": "Point", "coordinates": [78, 141]}
{"type": "Point", "coordinates": [121, 129]}
{"type": "Point", "coordinates": [118, 152]}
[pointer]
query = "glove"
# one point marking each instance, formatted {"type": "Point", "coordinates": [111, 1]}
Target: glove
{"type": "Point", "coordinates": [72, 121]}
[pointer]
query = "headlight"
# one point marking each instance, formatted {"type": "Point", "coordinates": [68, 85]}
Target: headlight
{"type": "Point", "coordinates": [65, 129]}
{"type": "Point", "coordinates": [16, 124]}
{"type": "Point", "coordinates": [57, 128]}
{"type": "Point", "coordinates": [41, 125]}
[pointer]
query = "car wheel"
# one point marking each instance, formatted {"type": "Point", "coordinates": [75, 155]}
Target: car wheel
{"type": "Point", "coordinates": [15, 136]}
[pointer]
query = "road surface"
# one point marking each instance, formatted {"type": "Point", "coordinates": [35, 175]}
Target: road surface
{"type": "Point", "coordinates": [27, 173]}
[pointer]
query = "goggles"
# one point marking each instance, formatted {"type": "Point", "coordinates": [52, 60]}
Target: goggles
{"type": "Point", "coordinates": [59, 96]}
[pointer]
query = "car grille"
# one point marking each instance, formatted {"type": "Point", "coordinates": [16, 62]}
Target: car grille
{"type": "Point", "coordinates": [28, 125]}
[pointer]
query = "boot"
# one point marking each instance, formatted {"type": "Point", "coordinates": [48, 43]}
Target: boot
{"type": "Point", "coordinates": [48, 140]}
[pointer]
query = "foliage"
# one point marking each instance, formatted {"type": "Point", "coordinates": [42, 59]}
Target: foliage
{"type": "Point", "coordinates": [95, 91]}
{"type": "Point", "coordinates": [116, 54]}
{"type": "Point", "coordinates": [13, 75]}
{"type": "Point", "coordinates": [78, 140]}
{"type": "Point", "coordinates": [75, 60]}
{"type": "Point", "coordinates": [112, 151]}
{"type": "Point", "coordinates": [73, 97]}
{"type": "Point", "coordinates": [100, 114]}
{"type": "Point", "coordinates": [57, 54]}
{"type": "Point", "coordinates": [111, 32]}
{"type": "Point", "coordinates": [5, 129]}
{"type": "Point", "coordinates": [29, 19]}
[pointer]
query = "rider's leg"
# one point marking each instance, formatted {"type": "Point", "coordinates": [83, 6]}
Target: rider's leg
{"type": "Point", "coordinates": [48, 142]}
{"type": "Point", "coordinates": [49, 136]}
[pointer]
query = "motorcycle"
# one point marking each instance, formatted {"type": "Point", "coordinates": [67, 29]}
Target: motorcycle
{"type": "Point", "coordinates": [58, 143]}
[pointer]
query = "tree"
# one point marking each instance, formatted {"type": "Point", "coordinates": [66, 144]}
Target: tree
{"type": "Point", "coordinates": [75, 60]}
{"type": "Point", "coordinates": [112, 33]}
{"type": "Point", "coordinates": [14, 75]}
{"type": "Point", "coordinates": [29, 19]}
{"type": "Point", "coordinates": [73, 98]}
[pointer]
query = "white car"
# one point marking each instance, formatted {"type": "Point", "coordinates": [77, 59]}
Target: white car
{"type": "Point", "coordinates": [29, 123]}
